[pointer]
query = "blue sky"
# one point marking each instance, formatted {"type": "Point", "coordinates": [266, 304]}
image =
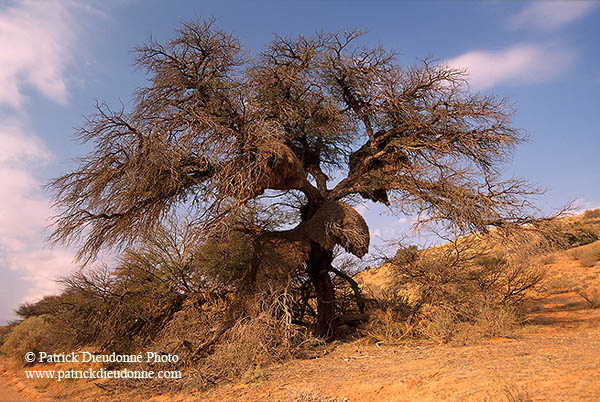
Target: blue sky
{"type": "Point", "coordinates": [57, 56]}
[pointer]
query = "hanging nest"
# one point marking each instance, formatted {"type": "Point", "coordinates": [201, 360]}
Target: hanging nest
{"type": "Point", "coordinates": [281, 256]}
{"type": "Point", "coordinates": [337, 223]}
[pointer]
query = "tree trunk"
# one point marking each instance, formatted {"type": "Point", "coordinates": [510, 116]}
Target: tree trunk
{"type": "Point", "coordinates": [317, 269]}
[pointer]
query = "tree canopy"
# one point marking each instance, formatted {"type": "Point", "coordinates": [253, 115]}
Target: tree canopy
{"type": "Point", "coordinates": [308, 125]}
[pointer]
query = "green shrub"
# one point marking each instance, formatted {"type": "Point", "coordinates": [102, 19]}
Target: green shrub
{"type": "Point", "coordinates": [406, 255]}
{"type": "Point", "coordinates": [224, 259]}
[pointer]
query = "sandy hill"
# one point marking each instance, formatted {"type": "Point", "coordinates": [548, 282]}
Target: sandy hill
{"type": "Point", "coordinates": [555, 357]}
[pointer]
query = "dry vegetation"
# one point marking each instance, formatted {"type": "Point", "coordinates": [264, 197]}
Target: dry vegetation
{"type": "Point", "coordinates": [587, 256]}
{"type": "Point", "coordinates": [476, 287]}
{"type": "Point", "coordinates": [278, 148]}
{"type": "Point", "coordinates": [252, 150]}
{"type": "Point", "coordinates": [459, 294]}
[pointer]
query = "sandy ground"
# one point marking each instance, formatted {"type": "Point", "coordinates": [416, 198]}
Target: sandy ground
{"type": "Point", "coordinates": [555, 358]}
{"type": "Point", "coordinates": [543, 365]}
{"type": "Point", "coordinates": [12, 389]}
{"type": "Point", "coordinates": [8, 394]}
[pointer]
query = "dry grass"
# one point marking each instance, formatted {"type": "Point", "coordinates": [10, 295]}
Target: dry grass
{"type": "Point", "coordinates": [309, 396]}
{"type": "Point", "coordinates": [559, 284]}
{"type": "Point", "coordinates": [541, 364]}
{"type": "Point", "coordinates": [388, 326]}
{"type": "Point", "coordinates": [498, 321]}
{"type": "Point", "coordinates": [591, 295]}
{"type": "Point", "coordinates": [444, 325]}
{"type": "Point", "coordinates": [256, 342]}
{"type": "Point", "coordinates": [28, 336]}
{"type": "Point", "coordinates": [548, 259]}
{"type": "Point", "coordinates": [254, 374]}
{"type": "Point", "coordinates": [591, 215]}
{"type": "Point", "coordinates": [517, 394]}
{"type": "Point", "coordinates": [588, 256]}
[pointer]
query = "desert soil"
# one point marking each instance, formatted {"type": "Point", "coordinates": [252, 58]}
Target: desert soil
{"type": "Point", "coordinates": [541, 365]}
{"type": "Point", "coordinates": [12, 389]}
{"type": "Point", "coordinates": [10, 395]}
{"type": "Point", "coordinates": [554, 358]}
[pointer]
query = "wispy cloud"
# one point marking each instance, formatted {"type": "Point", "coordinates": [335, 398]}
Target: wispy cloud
{"type": "Point", "coordinates": [24, 211]}
{"type": "Point", "coordinates": [581, 205]}
{"type": "Point", "coordinates": [36, 39]}
{"type": "Point", "coordinates": [364, 207]}
{"type": "Point", "coordinates": [549, 15]}
{"type": "Point", "coordinates": [519, 64]}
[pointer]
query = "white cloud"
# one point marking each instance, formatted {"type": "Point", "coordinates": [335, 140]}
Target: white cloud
{"type": "Point", "coordinates": [18, 147]}
{"type": "Point", "coordinates": [363, 207]}
{"type": "Point", "coordinates": [519, 64]}
{"type": "Point", "coordinates": [40, 268]}
{"type": "Point", "coordinates": [581, 205]}
{"type": "Point", "coordinates": [548, 15]}
{"type": "Point", "coordinates": [36, 38]}
{"type": "Point", "coordinates": [24, 211]}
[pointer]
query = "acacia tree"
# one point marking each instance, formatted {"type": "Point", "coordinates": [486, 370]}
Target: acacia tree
{"type": "Point", "coordinates": [219, 130]}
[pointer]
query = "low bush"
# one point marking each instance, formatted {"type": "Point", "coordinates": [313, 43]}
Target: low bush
{"type": "Point", "coordinates": [463, 292]}
{"type": "Point", "coordinates": [31, 335]}
{"type": "Point", "coordinates": [548, 259]}
{"type": "Point", "coordinates": [389, 325]}
{"type": "Point", "coordinates": [444, 324]}
{"type": "Point", "coordinates": [5, 331]}
{"type": "Point", "coordinates": [587, 256]}
{"type": "Point", "coordinates": [579, 235]}
{"type": "Point", "coordinates": [247, 345]}
{"type": "Point", "coordinates": [559, 284]}
{"type": "Point", "coordinates": [591, 214]}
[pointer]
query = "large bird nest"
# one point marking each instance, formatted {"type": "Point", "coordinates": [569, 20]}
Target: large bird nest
{"type": "Point", "coordinates": [336, 223]}
{"type": "Point", "coordinates": [282, 255]}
